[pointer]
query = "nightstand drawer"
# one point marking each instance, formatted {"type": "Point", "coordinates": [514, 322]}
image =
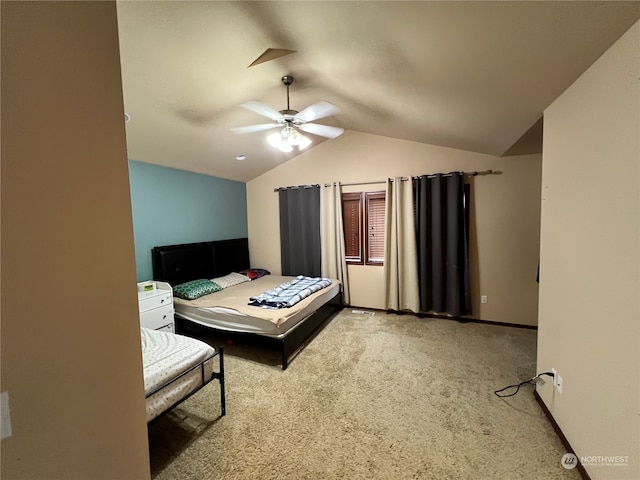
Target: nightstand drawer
{"type": "Point", "coordinates": [167, 328]}
{"type": "Point", "coordinates": [157, 318]}
{"type": "Point", "coordinates": [155, 301]}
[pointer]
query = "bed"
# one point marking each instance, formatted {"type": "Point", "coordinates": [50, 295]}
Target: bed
{"type": "Point", "coordinates": [176, 367]}
{"type": "Point", "coordinates": [288, 330]}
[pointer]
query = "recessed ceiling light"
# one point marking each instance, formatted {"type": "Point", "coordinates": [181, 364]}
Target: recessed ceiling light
{"type": "Point", "coordinates": [241, 157]}
{"type": "Point", "coordinates": [127, 117]}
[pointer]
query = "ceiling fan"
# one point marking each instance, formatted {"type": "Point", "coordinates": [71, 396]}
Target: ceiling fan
{"type": "Point", "coordinates": [291, 121]}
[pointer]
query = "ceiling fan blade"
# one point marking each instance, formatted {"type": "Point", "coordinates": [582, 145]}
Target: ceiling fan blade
{"type": "Point", "coordinates": [321, 130]}
{"type": "Point", "coordinates": [316, 111]}
{"type": "Point", "coordinates": [262, 109]}
{"type": "Point", "coordinates": [255, 128]}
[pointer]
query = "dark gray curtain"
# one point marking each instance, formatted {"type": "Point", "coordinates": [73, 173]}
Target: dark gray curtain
{"type": "Point", "coordinates": [300, 230]}
{"type": "Point", "coordinates": [443, 266]}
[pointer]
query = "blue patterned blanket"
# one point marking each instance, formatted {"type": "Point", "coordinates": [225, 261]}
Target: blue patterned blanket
{"type": "Point", "coordinates": [288, 294]}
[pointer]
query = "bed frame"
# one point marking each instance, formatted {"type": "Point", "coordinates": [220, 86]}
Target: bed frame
{"type": "Point", "coordinates": [177, 264]}
{"type": "Point", "coordinates": [219, 375]}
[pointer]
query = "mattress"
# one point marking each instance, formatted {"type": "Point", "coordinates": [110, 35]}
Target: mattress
{"type": "Point", "coordinates": [229, 309]}
{"type": "Point", "coordinates": [165, 356]}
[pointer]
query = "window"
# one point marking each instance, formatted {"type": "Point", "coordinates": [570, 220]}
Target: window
{"type": "Point", "coordinates": [374, 225]}
{"type": "Point", "coordinates": [363, 222]}
{"type": "Point", "coordinates": [352, 224]}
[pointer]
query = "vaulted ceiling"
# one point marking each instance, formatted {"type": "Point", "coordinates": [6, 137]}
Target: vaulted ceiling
{"type": "Point", "coordinates": [468, 75]}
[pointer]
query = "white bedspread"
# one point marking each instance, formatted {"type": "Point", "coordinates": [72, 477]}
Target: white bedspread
{"type": "Point", "coordinates": [165, 356]}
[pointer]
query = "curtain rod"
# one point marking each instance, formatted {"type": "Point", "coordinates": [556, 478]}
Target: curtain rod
{"type": "Point", "coordinates": [431, 175]}
{"type": "Point", "coordinates": [471, 174]}
{"type": "Point", "coordinates": [296, 187]}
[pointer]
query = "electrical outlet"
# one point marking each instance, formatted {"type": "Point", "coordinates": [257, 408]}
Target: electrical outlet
{"type": "Point", "coordinates": [483, 299]}
{"type": "Point", "coordinates": [557, 381]}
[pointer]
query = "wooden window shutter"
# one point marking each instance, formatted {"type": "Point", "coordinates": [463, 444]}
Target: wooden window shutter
{"type": "Point", "coordinates": [375, 212]}
{"type": "Point", "coordinates": [352, 224]}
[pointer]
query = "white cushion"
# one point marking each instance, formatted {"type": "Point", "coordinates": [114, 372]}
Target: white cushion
{"type": "Point", "coordinates": [230, 280]}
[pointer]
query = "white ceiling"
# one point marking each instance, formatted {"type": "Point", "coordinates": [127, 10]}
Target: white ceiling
{"type": "Point", "coordinates": [468, 75]}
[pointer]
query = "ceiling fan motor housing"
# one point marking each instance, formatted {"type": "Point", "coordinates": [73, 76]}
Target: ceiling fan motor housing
{"type": "Point", "coordinates": [289, 114]}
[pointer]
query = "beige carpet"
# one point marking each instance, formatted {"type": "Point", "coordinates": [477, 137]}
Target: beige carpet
{"type": "Point", "coordinates": [372, 397]}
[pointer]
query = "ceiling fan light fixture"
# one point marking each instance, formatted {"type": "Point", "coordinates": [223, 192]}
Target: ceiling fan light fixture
{"type": "Point", "coordinates": [285, 147]}
{"type": "Point", "coordinates": [275, 139]}
{"type": "Point", "coordinates": [293, 137]}
{"type": "Point", "coordinates": [287, 138]}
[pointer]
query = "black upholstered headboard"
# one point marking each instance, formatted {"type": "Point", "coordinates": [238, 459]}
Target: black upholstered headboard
{"type": "Point", "coordinates": [177, 264]}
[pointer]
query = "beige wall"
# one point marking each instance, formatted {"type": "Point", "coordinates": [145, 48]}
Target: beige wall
{"type": "Point", "coordinates": [505, 213]}
{"type": "Point", "coordinates": [589, 327]}
{"type": "Point", "coordinates": [71, 360]}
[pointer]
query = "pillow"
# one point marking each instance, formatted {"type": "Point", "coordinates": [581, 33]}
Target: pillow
{"type": "Point", "coordinates": [195, 289]}
{"type": "Point", "coordinates": [254, 273]}
{"type": "Point", "coordinates": [230, 280]}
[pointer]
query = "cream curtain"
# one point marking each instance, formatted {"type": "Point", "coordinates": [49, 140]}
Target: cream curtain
{"type": "Point", "coordinates": [400, 256]}
{"type": "Point", "coordinates": [334, 264]}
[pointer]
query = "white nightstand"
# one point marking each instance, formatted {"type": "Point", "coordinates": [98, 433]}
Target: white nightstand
{"type": "Point", "coordinates": [156, 308]}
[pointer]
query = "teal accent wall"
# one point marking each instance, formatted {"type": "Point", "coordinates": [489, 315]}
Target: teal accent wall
{"type": "Point", "coordinates": [173, 206]}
